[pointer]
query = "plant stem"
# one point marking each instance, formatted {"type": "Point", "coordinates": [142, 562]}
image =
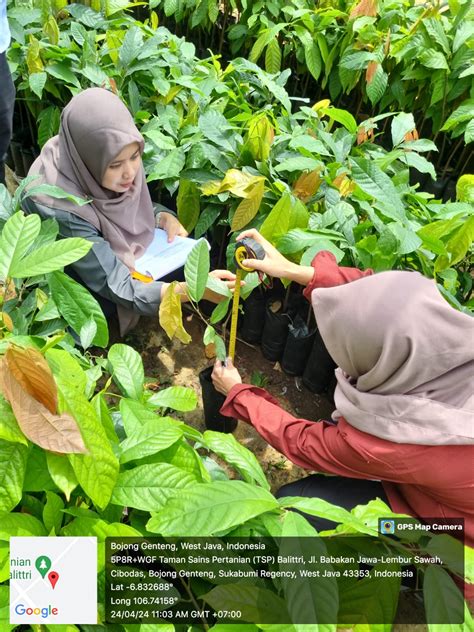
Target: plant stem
{"type": "Point", "coordinates": [456, 147]}
{"type": "Point", "coordinates": [194, 602]}
{"type": "Point", "coordinates": [287, 298]}
{"type": "Point", "coordinates": [224, 24]}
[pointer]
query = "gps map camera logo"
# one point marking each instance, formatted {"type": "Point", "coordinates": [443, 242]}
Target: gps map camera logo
{"type": "Point", "coordinates": [387, 527]}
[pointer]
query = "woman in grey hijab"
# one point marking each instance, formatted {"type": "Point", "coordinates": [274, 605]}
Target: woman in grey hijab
{"type": "Point", "coordinates": [97, 156]}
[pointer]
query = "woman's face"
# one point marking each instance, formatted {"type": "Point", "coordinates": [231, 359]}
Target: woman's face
{"type": "Point", "coordinates": [120, 174]}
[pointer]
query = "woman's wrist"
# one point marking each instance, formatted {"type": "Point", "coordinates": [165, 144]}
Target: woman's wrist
{"type": "Point", "coordinates": [300, 274]}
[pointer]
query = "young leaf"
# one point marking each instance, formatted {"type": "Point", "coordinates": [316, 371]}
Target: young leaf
{"type": "Point", "coordinates": [58, 433]}
{"type": "Point", "coordinates": [170, 315]}
{"type": "Point", "coordinates": [127, 370]}
{"type": "Point", "coordinates": [148, 487]}
{"type": "Point", "coordinates": [210, 508]}
{"type": "Point", "coordinates": [77, 306]}
{"type": "Point", "coordinates": [402, 124]}
{"type": "Point", "coordinates": [196, 270]}
{"type": "Point", "coordinates": [176, 397]}
{"type": "Point", "coordinates": [249, 206]}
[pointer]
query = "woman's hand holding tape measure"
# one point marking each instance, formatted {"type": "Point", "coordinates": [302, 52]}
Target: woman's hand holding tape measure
{"type": "Point", "coordinates": [274, 263]}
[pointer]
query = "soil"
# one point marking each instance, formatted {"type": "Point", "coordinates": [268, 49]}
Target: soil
{"type": "Point", "coordinates": [171, 362]}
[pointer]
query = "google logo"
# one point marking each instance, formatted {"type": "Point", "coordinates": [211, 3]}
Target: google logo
{"type": "Point", "coordinates": [45, 611]}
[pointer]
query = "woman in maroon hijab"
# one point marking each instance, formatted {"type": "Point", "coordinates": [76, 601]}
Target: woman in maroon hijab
{"type": "Point", "coordinates": [403, 428]}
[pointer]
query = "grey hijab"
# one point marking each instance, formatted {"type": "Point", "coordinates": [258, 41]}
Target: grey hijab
{"type": "Point", "coordinates": [405, 358]}
{"type": "Point", "coordinates": [95, 127]}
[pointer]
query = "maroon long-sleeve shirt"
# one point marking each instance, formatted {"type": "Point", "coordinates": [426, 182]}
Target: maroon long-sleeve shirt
{"type": "Point", "coordinates": [419, 480]}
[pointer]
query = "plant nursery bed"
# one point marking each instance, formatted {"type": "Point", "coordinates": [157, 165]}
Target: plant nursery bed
{"type": "Point", "coordinates": [173, 363]}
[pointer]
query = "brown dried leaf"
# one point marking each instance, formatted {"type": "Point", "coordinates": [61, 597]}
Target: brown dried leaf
{"type": "Point", "coordinates": [8, 292]}
{"type": "Point", "coordinates": [56, 433]}
{"type": "Point", "coordinates": [365, 7]}
{"type": "Point", "coordinates": [210, 351]}
{"type": "Point", "coordinates": [33, 374]}
{"type": "Point", "coordinates": [370, 72]}
{"type": "Point", "coordinates": [362, 136]}
{"type": "Point", "coordinates": [307, 185]}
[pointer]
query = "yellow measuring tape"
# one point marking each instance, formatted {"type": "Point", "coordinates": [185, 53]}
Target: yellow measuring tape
{"type": "Point", "coordinates": [247, 249]}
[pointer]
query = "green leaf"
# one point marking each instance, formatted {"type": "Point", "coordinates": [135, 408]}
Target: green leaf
{"type": "Point", "coordinates": [228, 448]}
{"type": "Point", "coordinates": [298, 163]}
{"type": "Point", "coordinates": [148, 487]}
{"type": "Point", "coordinates": [131, 45]}
{"type": "Point", "coordinates": [210, 508]}
{"type": "Point", "coordinates": [273, 57]}
{"type": "Point", "coordinates": [313, 59]}
{"type": "Point", "coordinates": [87, 333]}
{"type": "Point", "coordinates": [376, 88]}
{"type": "Point", "coordinates": [298, 239]}
{"type": "Point", "coordinates": [176, 397]}
{"type": "Point", "coordinates": [211, 337]}
{"type": "Point", "coordinates": [37, 81]}
{"type": "Point", "coordinates": [216, 128]}
{"type": "Point", "coordinates": [401, 124]}
{"type": "Point", "coordinates": [196, 270]}
{"type": "Point", "coordinates": [219, 312]}
{"type": "Point", "coordinates": [19, 525]}
{"type": "Point", "coordinates": [60, 470]}
{"type": "Point", "coordinates": [457, 246]}
{"type": "Point", "coordinates": [52, 512]}
{"type": "Point", "coordinates": [135, 415]}
{"type": "Point", "coordinates": [51, 257]}
{"type": "Point", "coordinates": [48, 127]}
{"type": "Point", "coordinates": [443, 599]}
{"type": "Point", "coordinates": [188, 204]}
{"type": "Point", "coordinates": [9, 428]}
{"type": "Point", "coordinates": [66, 368]}
{"type": "Point", "coordinates": [408, 240]}
{"type": "Point", "coordinates": [61, 70]}
{"type": "Point", "coordinates": [433, 59]}
{"type": "Point", "coordinates": [373, 181]}
{"type": "Point", "coordinates": [170, 167]}
{"type": "Point", "coordinates": [207, 218]}
{"type": "Point", "coordinates": [79, 309]}
{"type": "Point", "coordinates": [170, 7]}
{"type": "Point", "coordinates": [341, 116]}
{"type": "Point", "coordinates": [17, 236]}
{"type": "Point", "coordinates": [96, 471]}
{"type": "Point", "coordinates": [127, 370]}
{"type": "Point", "coordinates": [150, 438]}
{"type": "Point", "coordinates": [321, 244]}
{"type": "Point", "coordinates": [465, 112]}
{"type": "Point", "coordinates": [420, 163]}
{"type": "Point", "coordinates": [13, 457]}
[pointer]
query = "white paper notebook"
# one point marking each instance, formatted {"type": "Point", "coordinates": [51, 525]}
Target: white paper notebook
{"type": "Point", "coordinates": [162, 257]}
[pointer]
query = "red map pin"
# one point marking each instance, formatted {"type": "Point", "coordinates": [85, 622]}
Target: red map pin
{"type": "Point", "coordinates": [53, 578]}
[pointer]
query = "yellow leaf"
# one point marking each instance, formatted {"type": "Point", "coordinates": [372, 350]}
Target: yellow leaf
{"type": "Point", "coordinates": [172, 93]}
{"type": "Point", "coordinates": [260, 137]}
{"type": "Point", "coordinates": [154, 20]}
{"type": "Point", "coordinates": [7, 321]}
{"type": "Point", "coordinates": [57, 433]}
{"type": "Point", "coordinates": [170, 315]}
{"type": "Point", "coordinates": [320, 105]}
{"type": "Point", "coordinates": [51, 30]}
{"type": "Point", "coordinates": [33, 59]}
{"type": "Point", "coordinates": [249, 206]}
{"type": "Point", "coordinates": [33, 374]}
{"type": "Point", "coordinates": [307, 185]}
{"type": "Point", "coordinates": [211, 188]}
